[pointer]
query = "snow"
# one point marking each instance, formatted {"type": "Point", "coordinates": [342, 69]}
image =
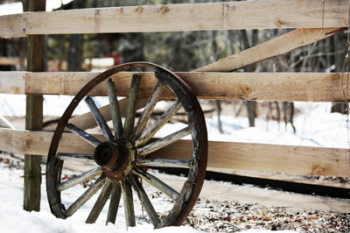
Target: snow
{"type": "Point", "coordinates": [11, 8]}
{"type": "Point", "coordinates": [315, 127]}
{"type": "Point", "coordinates": [14, 219]}
{"type": "Point", "coordinates": [17, 7]}
{"type": "Point", "coordinates": [54, 4]}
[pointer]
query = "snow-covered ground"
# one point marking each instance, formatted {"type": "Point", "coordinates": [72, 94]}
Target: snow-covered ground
{"type": "Point", "coordinates": [14, 219]}
{"type": "Point", "coordinates": [315, 127]}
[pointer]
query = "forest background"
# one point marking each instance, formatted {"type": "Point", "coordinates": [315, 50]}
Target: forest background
{"type": "Point", "coordinates": [183, 51]}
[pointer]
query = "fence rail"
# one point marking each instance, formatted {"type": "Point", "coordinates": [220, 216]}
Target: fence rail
{"type": "Point", "coordinates": [305, 87]}
{"type": "Point", "coordinates": [180, 17]}
{"type": "Point", "coordinates": [297, 160]}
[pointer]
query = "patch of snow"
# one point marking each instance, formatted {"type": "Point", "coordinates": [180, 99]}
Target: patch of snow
{"type": "Point", "coordinates": [54, 4]}
{"type": "Point", "coordinates": [11, 8]}
{"type": "Point", "coordinates": [14, 219]}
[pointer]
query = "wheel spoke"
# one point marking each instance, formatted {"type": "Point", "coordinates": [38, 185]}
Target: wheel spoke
{"type": "Point", "coordinates": [86, 196]}
{"type": "Point", "coordinates": [157, 183]}
{"type": "Point", "coordinates": [115, 110]}
{"type": "Point", "coordinates": [87, 120]}
{"type": "Point", "coordinates": [88, 175]}
{"type": "Point", "coordinates": [131, 108]}
{"type": "Point", "coordinates": [75, 157]}
{"type": "Point", "coordinates": [99, 118]}
{"type": "Point", "coordinates": [128, 204]}
{"type": "Point", "coordinates": [151, 131]}
{"type": "Point", "coordinates": [163, 142]}
{"type": "Point", "coordinates": [147, 112]}
{"type": "Point", "coordinates": [114, 203]}
{"type": "Point", "coordinates": [82, 134]}
{"type": "Point", "coordinates": [180, 163]}
{"type": "Point", "coordinates": [146, 203]}
{"type": "Point", "coordinates": [100, 203]}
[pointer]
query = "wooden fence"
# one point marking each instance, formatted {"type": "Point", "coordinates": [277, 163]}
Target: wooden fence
{"type": "Point", "coordinates": [312, 21]}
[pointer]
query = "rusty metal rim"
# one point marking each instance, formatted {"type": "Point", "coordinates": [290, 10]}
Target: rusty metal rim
{"type": "Point", "coordinates": [199, 127]}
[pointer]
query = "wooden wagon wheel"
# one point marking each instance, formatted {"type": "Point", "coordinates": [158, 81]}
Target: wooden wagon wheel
{"type": "Point", "coordinates": [120, 158]}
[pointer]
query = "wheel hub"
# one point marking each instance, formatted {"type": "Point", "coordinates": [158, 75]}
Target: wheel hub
{"type": "Point", "coordinates": [116, 158]}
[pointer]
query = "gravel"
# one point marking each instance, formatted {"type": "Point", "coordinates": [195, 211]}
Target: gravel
{"type": "Point", "coordinates": [226, 216]}
{"type": "Point", "coordinates": [230, 216]}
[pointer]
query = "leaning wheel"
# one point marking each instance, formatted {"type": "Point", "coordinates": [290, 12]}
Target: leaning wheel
{"type": "Point", "coordinates": [122, 157]}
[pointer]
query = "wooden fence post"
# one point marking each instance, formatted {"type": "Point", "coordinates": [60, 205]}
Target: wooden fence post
{"type": "Point", "coordinates": [34, 116]}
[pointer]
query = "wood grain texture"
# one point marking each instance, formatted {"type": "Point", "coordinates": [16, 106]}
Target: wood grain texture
{"type": "Point", "coordinates": [180, 17]}
{"type": "Point", "coordinates": [9, 61]}
{"type": "Point", "coordinates": [316, 87]}
{"type": "Point", "coordinates": [13, 82]}
{"type": "Point", "coordinates": [297, 160]}
{"type": "Point", "coordinates": [34, 115]}
{"type": "Point", "coordinates": [281, 177]}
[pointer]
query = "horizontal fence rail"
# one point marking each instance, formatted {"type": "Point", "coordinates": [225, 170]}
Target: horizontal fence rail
{"type": "Point", "coordinates": [315, 87]}
{"type": "Point", "coordinates": [296, 160]}
{"type": "Point", "coordinates": [181, 17]}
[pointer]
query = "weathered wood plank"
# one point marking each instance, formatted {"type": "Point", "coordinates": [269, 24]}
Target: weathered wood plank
{"type": "Point", "coordinates": [34, 116]}
{"type": "Point", "coordinates": [180, 17]}
{"type": "Point", "coordinates": [13, 25]}
{"type": "Point", "coordinates": [282, 177]}
{"type": "Point", "coordinates": [274, 47]}
{"type": "Point", "coordinates": [9, 61]}
{"type": "Point", "coordinates": [297, 160]}
{"type": "Point", "coordinates": [316, 87]}
{"type": "Point", "coordinates": [13, 82]}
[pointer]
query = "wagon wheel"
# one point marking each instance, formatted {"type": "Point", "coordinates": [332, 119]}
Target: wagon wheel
{"type": "Point", "coordinates": [121, 157]}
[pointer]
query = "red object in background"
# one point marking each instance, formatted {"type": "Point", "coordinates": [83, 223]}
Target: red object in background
{"type": "Point", "coordinates": [117, 58]}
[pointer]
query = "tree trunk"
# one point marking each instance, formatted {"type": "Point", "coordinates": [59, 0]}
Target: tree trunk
{"type": "Point", "coordinates": [76, 42]}
{"type": "Point", "coordinates": [251, 105]}
{"type": "Point", "coordinates": [340, 41]}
